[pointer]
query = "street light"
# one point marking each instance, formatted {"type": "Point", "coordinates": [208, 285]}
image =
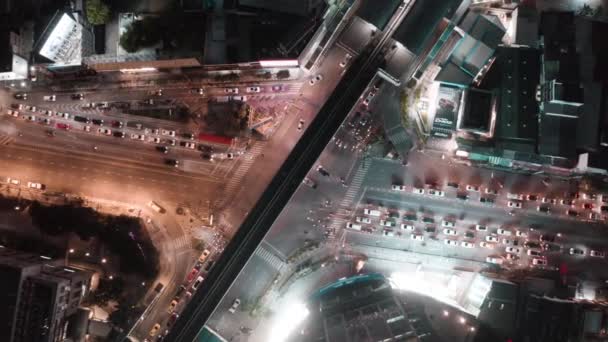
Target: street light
{"type": "Point", "coordinates": [71, 250]}
{"type": "Point", "coordinates": [445, 313]}
{"type": "Point", "coordinates": [87, 254]}
{"type": "Point", "coordinates": [471, 329]}
{"type": "Point", "coordinates": [103, 260]}
{"type": "Point", "coordinates": [462, 320]}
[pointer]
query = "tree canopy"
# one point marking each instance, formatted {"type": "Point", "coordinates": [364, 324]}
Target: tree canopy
{"type": "Point", "coordinates": [98, 13]}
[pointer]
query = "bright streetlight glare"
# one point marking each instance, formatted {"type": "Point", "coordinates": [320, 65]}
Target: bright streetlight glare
{"type": "Point", "coordinates": [287, 321]}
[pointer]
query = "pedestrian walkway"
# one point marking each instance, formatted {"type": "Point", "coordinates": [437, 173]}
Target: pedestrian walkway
{"type": "Point", "coordinates": [236, 179]}
{"type": "Point", "coordinates": [354, 187]}
{"type": "Point", "coordinates": [270, 258]}
{"type": "Point", "coordinates": [6, 139]}
{"type": "Point", "coordinates": [182, 243]}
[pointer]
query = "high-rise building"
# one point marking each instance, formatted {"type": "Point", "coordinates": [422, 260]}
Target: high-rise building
{"type": "Point", "coordinates": [38, 296]}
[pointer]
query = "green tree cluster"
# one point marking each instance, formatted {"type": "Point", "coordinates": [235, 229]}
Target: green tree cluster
{"type": "Point", "coordinates": [140, 34]}
{"type": "Point", "coordinates": [98, 13]}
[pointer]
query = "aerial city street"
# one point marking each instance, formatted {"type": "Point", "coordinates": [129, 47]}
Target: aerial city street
{"type": "Point", "coordinates": [349, 170]}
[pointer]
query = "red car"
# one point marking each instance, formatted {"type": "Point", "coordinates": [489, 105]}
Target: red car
{"type": "Point", "coordinates": [172, 319]}
{"type": "Point", "coordinates": [192, 274]}
{"type": "Point", "coordinates": [63, 126]}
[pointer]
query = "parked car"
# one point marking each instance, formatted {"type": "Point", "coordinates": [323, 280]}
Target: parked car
{"type": "Point", "coordinates": [235, 305]}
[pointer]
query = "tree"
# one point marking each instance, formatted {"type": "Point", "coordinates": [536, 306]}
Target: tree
{"type": "Point", "coordinates": [98, 13]}
{"type": "Point", "coordinates": [142, 33]}
{"type": "Point", "coordinates": [282, 74]}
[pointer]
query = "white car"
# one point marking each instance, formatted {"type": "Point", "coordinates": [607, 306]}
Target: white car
{"type": "Point", "coordinates": [510, 256]}
{"type": "Point", "coordinates": [13, 181]}
{"type": "Point", "coordinates": [49, 113]}
{"type": "Point", "coordinates": [398, 187]}
{"type": "Point", "coordinates": [167, 132]}
{"type": "Point", "coordinates": [481, 228]}
{"type": "Point", "coordinates": [472, 188]}
{"type": "Point", "coordinates": [484, 244]}
{"type": "Point", "coordinates": [138, 137]}
{"type": "Point", "coordinates": [513, 204]}
{"type": "Point", "coordinates": [12, 112]}
{"type": "Point", "coordinates": [35, 185]}
{"type": "Point", "coordinates": [466, 244]}
{"type": "Point", "coordinates": [597, 254]}
{"type": "Point", "coordinates": [387, 223]}
{"type": "Point", "coordinates": [501, 231]}
{"type": "Point", "coordinates": [491, 238]}
{"type": "Point", "coordinates": [520, 233]}
{"type": "Point", "coordinates": [577, 251]}
{"type": "Point", "coordinates": [46, 121]}
{"type": "Point", "coordinates": [190, 145]}
{"type": "Point", "coordinates": [234, 305]}
{"type": "Point", "coordinates": [418, 191]}
{"type": "Point", "coordinates": [539, 261]}
{"type": "Point", "coordinates": [448, 231]}
{"type": "Point", "coordinates": [155, 140]}
{"type": "Point", "coordinates": [369, 98]}
{"type": "Point", "coordinates": [87, 128]}
{"type": "Point", "coordinates": [363, 219]}
{"type": "Point", "coordinates": [171, 142]}
{"type": "Point", "coordinates": [65, 115]}
{"type": "Point", "coordinates": [316, 79]}
{"type": "Point", "coordinates": [231, 90]}
{"type": "Point", "coordinates": [408, 227]}
{"type": "Point", "coordinates": [417, 237]}
{"type": "Point", "coordinates": [253, 89]}
{"type": "Point", "coordinates": [354, 226]}
{"type": "Point", "coordinates": [445, 223]}
{"type": "Point", "coordinates": [494, 260]}
{"type": "Point", "coordinates": [31, 118]}
{"type": "Point", "coordinates": [105, 131]}
{"type": "Point", "coordinates": [533, 252]}
{"type": "Point", "coordinates": [346, 59]}
{"type": "Point", "coordinates": [436, 193]}
{"type": "Point", "coordinates": [450, 242]}
{"type": "Point", "coordinates": [513, 250]}
{"type": "Point", "coordinates": [50, 98]}
{"type": "Point", "coordinates": [491, 191]}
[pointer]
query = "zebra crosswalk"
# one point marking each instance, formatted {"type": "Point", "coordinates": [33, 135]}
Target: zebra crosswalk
{"type": "Point", "coordinates": [182, 242]}
{"type": "Point", "coordinates": [247, 160]}
{"type": "Point", "coordinates": [270, 258]}
{"type": "Point", "coordinates": [353, 189]}
{"type": "Point", "coordinates": [6, 139]}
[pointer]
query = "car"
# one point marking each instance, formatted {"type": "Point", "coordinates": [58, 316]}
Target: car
{"type": "Point", "coordinates": [448, 231]}
{"type": "Point", "coordinates": [171, 142]}
{"type": "Point", "coordinates": [158, 92]}
{"type": "Point", "coordinates": [277, 87]}
{"type": "Point", "coordinates": [363, 219]}
{"type": "Point", "coordinates": [430, 229]}
{"type": "Point", "coordinates": [140, 137]}
{"type": "Point", "coordinates": [191, 275]}
{"type": "Point", "coordinates": [172, 306]}
{"type": "Point", "coordinates": [486, 200]}
{"type": "Point", "coordinates": [577, 251]}
{"type": "Point", "coordinates": [572, 213]}
{"type": "Point", "coordinates": [179, 292]}
{"type": "Point", "coordinates": [105, 131]}
{"type": "Point", "coordinates": [491, 238]}
{"type": "Point", "coordinates": [155, 140]}
{"type": "Point", "coordinates": [46, 121]}
{"type": "Point", "coordinates": [436, 193]}
{"type": "Point", "coordinates": [346, 59]}
{"type": "Point", "coordinates": [98, 122]}
{"type": "Point", "coordinates": [234, 306]}
{"type": "Point", "coordinates": [520, 233]}
{"type": "Point", "coordinates": [322, 171]}
{"type": "Point", "coordinates": [300, 124]}
{"type": "Point", "coordinates": [253, 89]}
{"type": "Point", "coordinates": [37, 186]}
{"type": "Point", "coordinates": [515, 196]}
{"type": "Point", "coordinates": [167, 132]}
{"type": "Point", "coordinates": [388, 232]}
{"type": "Point", "coordinates": [453, 185]}
{"type": "Point", "coordinates": [161, 149]}
{"type": "Point", "coordinates": [446, 223]}
{"type": "Point", "coordinates": [548, 200]}
{"type": "Point", "coordinates": [172, 162]}
{"type": "Point", "coordinates": [514, 204]}
{"type": "Point", "coordinates": [566, 201]}
{"type": "Point", "coordinates": [597, 254]}
{"type": "Point", "coordinates": [396, 187]}
{"type": "Point", "coordinates": [491, 191]}
{"type": "Point", "coordinates": [231, 90]}
{"type": "Point", "coordinates": [31, 118]}
{"type": "Point", "coordinates": [484, 244]}
{"type": "Point", "coordinates": [543, 209]}
{"type": "Point", "coordinates": [154, 330]}
{"type": "Point", "coordinates": [450, 242]}
{"type": "Point", "coordinates": [13, 181]}
{"type": "Point", "coordinates": [199, 91]}
{"type": "Point", "coordinates": [466, 244]}
{"type": "Point", "coordinates": [469, 234]}
{"type": "Point", "coordinates": [539, 261]}
{"type": "Point", "coordinates": [12, 113]}
{"type": "Point", "coordinates": [387, 223]}
{"type": "Point", "coordinates": [462, 196]}
{"type": "Point", "coordinates": [509, 256]}
{"type": "Point", "coordinates": [119, 134]}
{"type": "Point", "coordinates": [306, 181]}
{"type": "Point", "coordinates": [172, 319]}
{"type": "Point", "coordinates": [408, 227]}
{"type": "Point", "coordinates": [198, 282]}
{"type": "Point", "coordinates": [532, 197]}
{"type": "Point", "coordinates": [87, 128]}
{"type": "Point", "coordinates": [547, 238]}
{"type": "Point", "coordinates": [188, 144]}
{"type": "Point", "coordinates": [594, 216]}
{"type": "Point", "coordinates": [204, 256]}
{"type": "Point", "coordinates": [551, 247]}
{"type": "Point", "coordinates": [494, 260]}
{"type": "Point", "coordinates": [417, 237]}
{"type": "Point", "coordinates": [588, 206]}
{"type": "Point", "coordinates": [410, 216]}
{"type": "Point", "coordinates": [368, 98]}
{"type": "Point", "coordinates": [50, 98]}
{"type": "Point", "coordinates": [63, 126]}
{"type": "Point", "coordinates": [472, 188]}
{"type": "Point", "coordinates": [508, 242]}
{"type": "Point", "coordinates": [531, 244]}
{"type": "Point", "coordinates": [418, 191]}
{"type": "Point", "coordinates": [514, 250]}
{"type": "Point", "coordinates": [481, 228]}
{"type": "Point", "coordinates": [534, 252]}
{"type": "Point", "coordinates": [353, 226]}
{"type": "Point", "coordinates": [117, 124]}
{"type": "Point", "coordinates": [316, 79]}
{"type": "Point", "coordinates": [20, 96]}
{"type": "Point", "coordinates": [427, 219]}
{"type": "Point", "coordinates": [502, 231]}
{"type": "Point", "coordinates": [78, 96]}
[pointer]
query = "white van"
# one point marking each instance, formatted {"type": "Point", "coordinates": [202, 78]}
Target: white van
{"type": "Point", "coordinates": [372, 212]}
{"type": "Point", "coordinates": [353, 226]}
